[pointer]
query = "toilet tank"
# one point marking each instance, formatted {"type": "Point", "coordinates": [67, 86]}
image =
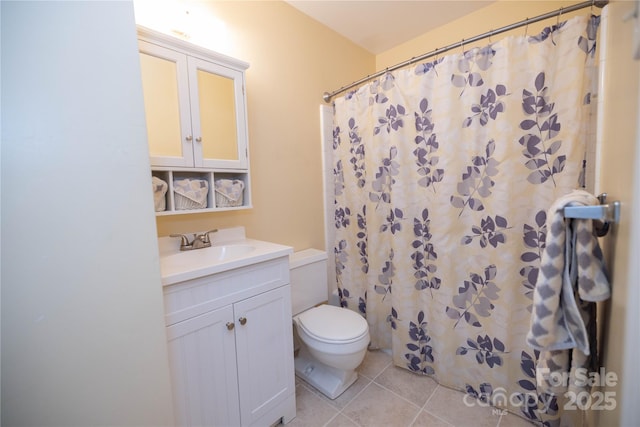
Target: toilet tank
{"type": "Point", "coordinates": [308, 279]}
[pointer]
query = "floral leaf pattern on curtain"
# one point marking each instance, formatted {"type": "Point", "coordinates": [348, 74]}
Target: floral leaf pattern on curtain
{"type": "Point", "coordinates": [393, 119]}
{"type": "Point", "coordinates": [486, 350]}
{"type": "Point", "coordinates": [489, 232]}
{"type": "Point", "coordinates": [393, 223]}
{"type": "Point", "coordinates": [341, 257]}
{"type": "Point", "coordinates": [469, 67]}
{"type": "Point", "coordinates": [588, 43]}
{"type": "Point", "coordinates": [476, 181]}
{"type": "Point", "coordinates": [384, 178]}
{"type": "Point", "coordinates": [424, 255]}
{"type": "Point", "coordinates": [338, 178]}
{"type": "Point", "coordinates": [362, 239]}
{"type": "Point", "coordinates": [534, 240]}
{"type": "Point", "coordinates": [474, 298]}
{"type": "Point", "coordinates": [489, 107]}
{"type": "Point", "coordinates": [421, 355]}
{"type": "Point", "coordinates": [539, 146]}
{"type": "Point", "coordinates": [443, 174]}
{"type": "Point", "coordinates": [427, 145]}
{"type": "Point", "coordinates": [536, 406]}
{"type": "Point", "coordinates": [424, 68]}
{"type": "Point", "coordinates": [342, 217]}
{"type": "Point", "coordinates": [357, 153]}
{"type": "Point", "coordinates": [484, 393]}
{"type": "Point", "coordinates": [385, 278]}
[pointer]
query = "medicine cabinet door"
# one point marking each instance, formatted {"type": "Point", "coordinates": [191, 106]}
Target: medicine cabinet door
{"type": "Point", "coordinates": [165, 86]}
{"type": "Point", "coordinates": [218, 115]}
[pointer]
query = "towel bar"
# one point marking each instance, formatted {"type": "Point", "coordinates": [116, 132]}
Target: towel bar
{"type": "Point", "coordinates": [605, 212]}
{"type": "Point", "coordinates": [609, 212]}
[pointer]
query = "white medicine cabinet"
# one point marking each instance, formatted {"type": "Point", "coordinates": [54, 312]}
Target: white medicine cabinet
{"type": "Point", "coordinates": [195, 109]}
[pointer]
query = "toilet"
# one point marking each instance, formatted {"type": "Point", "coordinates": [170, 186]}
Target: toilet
{"type": "Point", "coordinates": [330, 341]}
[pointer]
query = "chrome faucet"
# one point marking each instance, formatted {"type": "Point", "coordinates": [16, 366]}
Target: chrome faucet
{"type": "Point", "coordinates": [199, 241]}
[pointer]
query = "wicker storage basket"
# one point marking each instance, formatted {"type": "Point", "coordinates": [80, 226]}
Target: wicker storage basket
{"type": "Point", "coordinates": [229, 192]}
{"type": "Point", "coordinates": [159, 191]}
{"type": "Point", "coordinates": [190, 193]}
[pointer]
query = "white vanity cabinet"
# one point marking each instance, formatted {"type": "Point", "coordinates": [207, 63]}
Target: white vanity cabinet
{"type": "Point", "coordinates": [195, 109]}
{"type": "Point", "coordinates": [231, 346]}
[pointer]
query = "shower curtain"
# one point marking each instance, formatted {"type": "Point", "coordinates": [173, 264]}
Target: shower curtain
{"type": "Point", "coordinates": [443, 175]}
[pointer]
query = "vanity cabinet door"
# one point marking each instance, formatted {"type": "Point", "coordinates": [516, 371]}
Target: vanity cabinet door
{"type": "Point", "coordinates": [202, 356]}
{"type": "Point", "coordinates": [165, 87]}
{"type": "Point", "coordinates": [265, 353]}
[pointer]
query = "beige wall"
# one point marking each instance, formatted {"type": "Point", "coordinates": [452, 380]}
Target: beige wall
{"type": "Point", "coordinates": [293, 61]}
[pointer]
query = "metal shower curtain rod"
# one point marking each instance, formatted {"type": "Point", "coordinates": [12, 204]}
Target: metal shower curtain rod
{"type": "Point", "coordinates": [598, 3]}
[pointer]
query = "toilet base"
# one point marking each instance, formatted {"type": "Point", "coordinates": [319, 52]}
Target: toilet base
{"type": "Point", "coordinates": [329, 381]}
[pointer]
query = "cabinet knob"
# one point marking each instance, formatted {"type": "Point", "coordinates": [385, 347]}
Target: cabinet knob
{"type": "Point", "coordinates": [230, 326]}
{"type": "Point", "coordinates": [189, 138]}
{"type": "Point", "coordinates": [199, 139]}
{"type": "Point", "coordinates": [243, 321]}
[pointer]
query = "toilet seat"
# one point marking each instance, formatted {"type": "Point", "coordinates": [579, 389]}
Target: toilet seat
{"type": "Point", "coordinates": [333, 325]}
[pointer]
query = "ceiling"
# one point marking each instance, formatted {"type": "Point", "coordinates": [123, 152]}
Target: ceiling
{"type": "Point", "coordinates": [379, 25]}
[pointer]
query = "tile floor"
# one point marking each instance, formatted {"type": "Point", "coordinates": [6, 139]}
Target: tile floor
{"type": "Point", "coordinates": [385, 395]}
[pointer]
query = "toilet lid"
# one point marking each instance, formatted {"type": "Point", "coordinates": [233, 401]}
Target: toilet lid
{"type": "Point", "coordinates": [333, 324]}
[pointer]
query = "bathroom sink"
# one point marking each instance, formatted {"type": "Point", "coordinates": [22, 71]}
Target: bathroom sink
{"type": "Point", "coordinates": [211, 254]}
{"type": "Point", "coordinates": [235, 251]}
{"type": "Point", "coordinates": [230, 251]}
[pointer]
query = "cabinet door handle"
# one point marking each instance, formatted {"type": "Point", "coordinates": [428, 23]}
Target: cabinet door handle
{"type": "Point", "coordinates": [189, 138]}
{"type": "Point", "coordinates": [230, 326]}
{"type": "Point", "coordinates": [199, 139]}
{"type": "Point", "coordinates": [243, 321]}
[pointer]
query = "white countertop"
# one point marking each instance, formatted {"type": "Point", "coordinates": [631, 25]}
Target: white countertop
{"type": "Point", "coordinates": [229, 250]}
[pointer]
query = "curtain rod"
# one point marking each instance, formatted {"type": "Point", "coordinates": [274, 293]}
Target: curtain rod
{"type": "Point", "coordinates": [598, 3]}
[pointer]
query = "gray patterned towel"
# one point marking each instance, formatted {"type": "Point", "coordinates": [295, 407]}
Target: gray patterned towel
{"type": "Point", "coordinates": [572, 273]}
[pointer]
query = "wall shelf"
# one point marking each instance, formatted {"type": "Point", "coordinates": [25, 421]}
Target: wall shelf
{"type": "Point", "coordinates": [169, 175]}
